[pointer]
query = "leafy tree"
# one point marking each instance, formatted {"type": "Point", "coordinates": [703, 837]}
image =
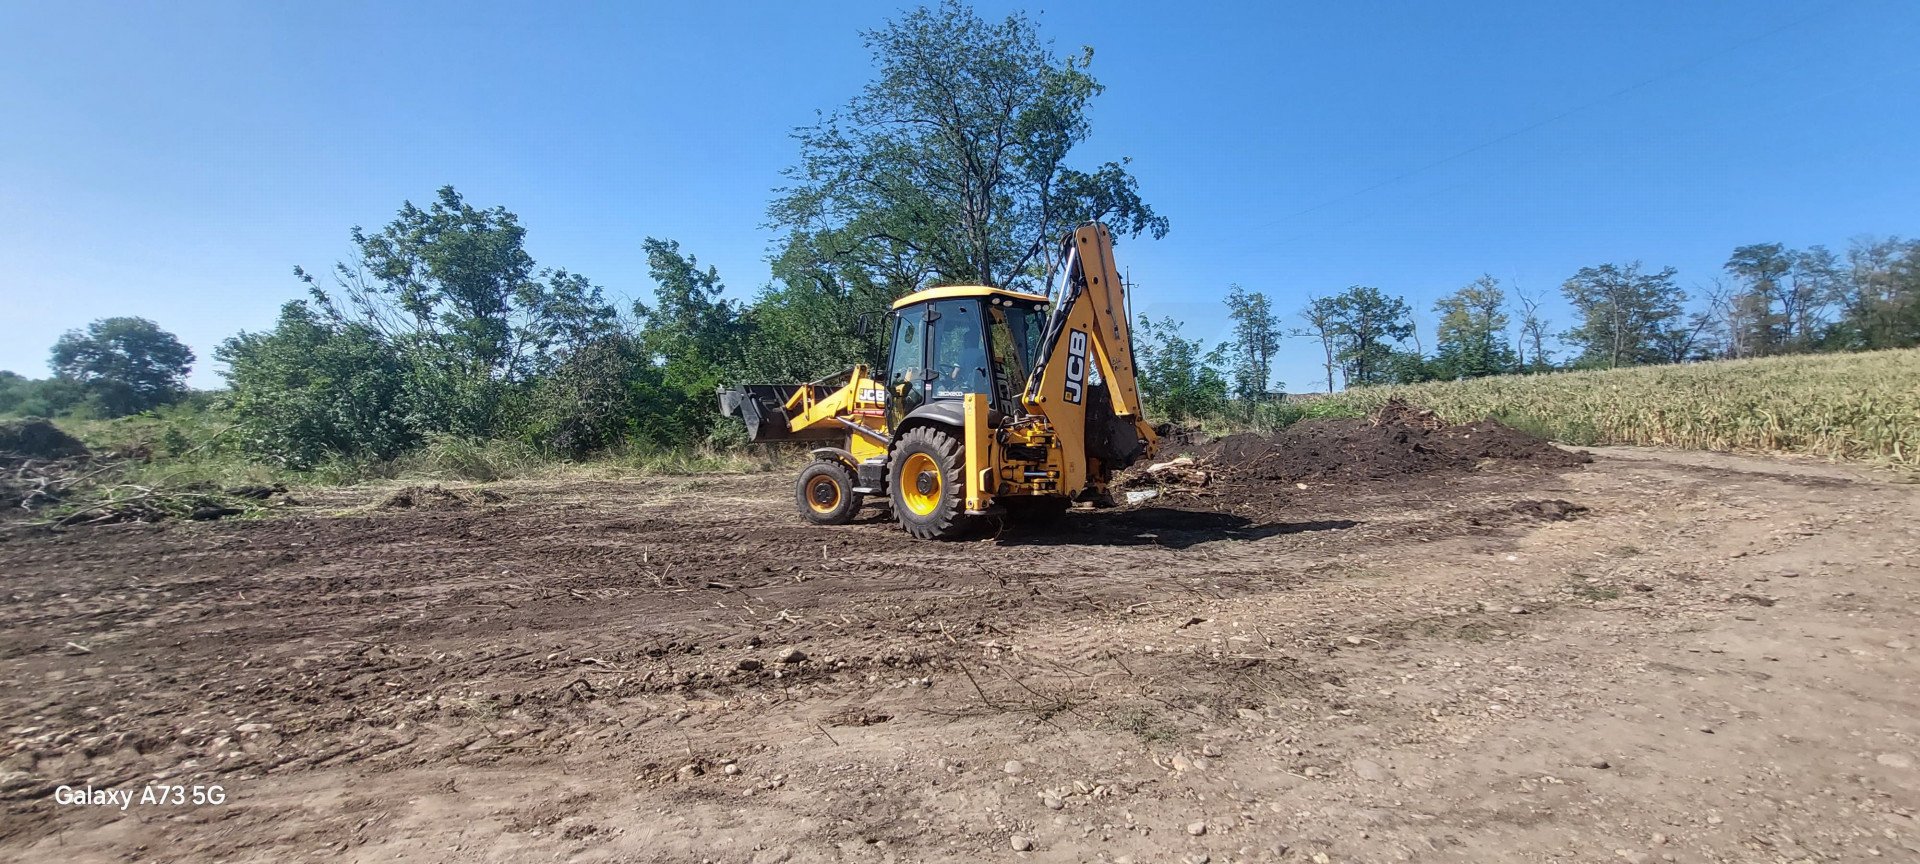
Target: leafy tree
{"type": "Point", "coordinates": [1409, 366]}
{"type": "Point", "coordinates": [1473, 332]}
{"type": "Point", "coordinates": [1367, 326]}
{"type": "Point", "coordinates": [315, 387]}
{"type": "Point", "coordinates": [1256, 337]}
{"type": "Point", "coordinates": [452, 288]}
{"type": "Point", "coordinates": [1178, 376]}
{"type": "Point", "coordinates": [602, 393]}
{"type": "Point", "coordinates": [1758, 325]}
{"type": "Point", "coordinates": [21, 396]}
{"type": "Point", "coordinates": [1627, 317]}
{"type": "Point", "coordinates": [1879, 296]}
{"type": "Point", "coordinates": [1785, 296]}
{"type": "Point", "coordinates": [808, 321]}
{"type": "Point", "coordinates": [15, 388]}
{"type": "Point", "coordinates": [693, 335]}
{"type": "Point", "coordinates": [950, 166]}
{"type": "Point", "coordinates": [802, 332]}
{"type": "Point", "coordinates": [125, 365]}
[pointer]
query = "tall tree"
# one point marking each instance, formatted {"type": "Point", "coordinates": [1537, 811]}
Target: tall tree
{"type": "Point", "coordinates": [952, 164]}
{"type": "Point", "coordinates": [809, 321]}
{"type": "Point", "coordinates": [1627, 316]}
{"type": "Point", "coordinates": [692, 334]}
{"type": "Point", "coordinates": [452, 288]}
{"type": "Point", "coordinates": [1256, 336]}
{"type": "Point", "coordinates": [1785, 294]}
{"type": "Point", "coordinates": [1531, 355]}
{"type": "Point", "coordinates": [1319, 314]}
{"type": "Point", "coordinates": [1879, 297]}
{"type": "Point", "coordinates": [1368, 326]}
{"type": "Point", "coordinates": [1736, 322]}
{"type": "Point", "coordinates": [1473, 332]}
{"type": "Point", "coordinates": [125, 365]}
{"type": "Point", "coordinates": [1814, 285]}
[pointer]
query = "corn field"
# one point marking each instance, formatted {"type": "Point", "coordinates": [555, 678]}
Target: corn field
{"type": "Point", "coordinates": [1841, 406]}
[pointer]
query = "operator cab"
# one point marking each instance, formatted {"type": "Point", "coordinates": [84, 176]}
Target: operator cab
{"type": "Point", "coordinates": [952, 341]}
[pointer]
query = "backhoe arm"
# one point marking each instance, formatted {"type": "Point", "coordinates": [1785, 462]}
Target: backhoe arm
{"type": "Point", "coordinates": [1084, 381]}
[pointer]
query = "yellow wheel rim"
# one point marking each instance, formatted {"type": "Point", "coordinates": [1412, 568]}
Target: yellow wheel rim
{"type": "Point", "coordinates": [920, 484]}
{"type": "Point", "coordinates": [823, 495]}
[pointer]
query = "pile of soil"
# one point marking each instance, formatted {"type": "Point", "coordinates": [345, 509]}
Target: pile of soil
{"type": "Point", "coordinates": [1356, 450]}
{"type": "Point", "coordinates": [1399, 445]}
{"type": "Point", "coordinates": [34, 438]}
{"type": "Point", "coordinates": [437, 497]}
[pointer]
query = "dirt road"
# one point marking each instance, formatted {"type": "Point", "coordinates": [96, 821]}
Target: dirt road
{"type": "Point", "coordinates": [1656, 656]}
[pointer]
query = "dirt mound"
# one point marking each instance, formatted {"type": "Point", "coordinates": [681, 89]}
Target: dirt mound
{"type": "Point", "coordinates": [437, 497]}
{"type": "Point", "coordinates": [1353, 450]}
{"type": "Point", "coordinates": [1400, 446]}
{"type": "Point", "coordinates": [34, 438]}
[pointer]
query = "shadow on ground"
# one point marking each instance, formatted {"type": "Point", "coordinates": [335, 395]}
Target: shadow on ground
{"type": "Point", "coordinates": [1156, 526]}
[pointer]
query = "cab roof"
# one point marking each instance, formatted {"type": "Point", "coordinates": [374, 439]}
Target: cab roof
{"type": "Point", "coordinates": [945, 292]}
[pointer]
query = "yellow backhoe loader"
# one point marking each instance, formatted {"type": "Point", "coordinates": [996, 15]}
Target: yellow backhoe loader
{"type": "Point", "coordinates": [993, 402]}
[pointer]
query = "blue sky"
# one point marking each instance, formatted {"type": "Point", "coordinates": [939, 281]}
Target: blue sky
{"type": "Point", "coordinates": [176, 160]}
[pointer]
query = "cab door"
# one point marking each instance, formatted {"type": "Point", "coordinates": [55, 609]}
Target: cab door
{"type": "Point", "coordinates": [957, 343]}
{"type": "Point", "coordinates": [907, 364]}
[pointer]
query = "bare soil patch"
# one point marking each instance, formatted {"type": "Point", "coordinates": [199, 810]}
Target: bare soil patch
{"type": "Point", "coordinates": [1647, 655]}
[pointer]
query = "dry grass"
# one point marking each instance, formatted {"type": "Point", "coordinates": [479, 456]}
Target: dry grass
{"type": "Point", "coordinates": [1862, 406]}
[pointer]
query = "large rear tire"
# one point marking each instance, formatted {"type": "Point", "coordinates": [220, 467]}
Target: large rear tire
{"type": "Point", "coordinates": [927, 484]}
{"type": "Point", "coordinates": [825, 493]}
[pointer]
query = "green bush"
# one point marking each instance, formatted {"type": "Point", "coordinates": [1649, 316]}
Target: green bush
{"type": "Point", "coordinates": [311, 389]}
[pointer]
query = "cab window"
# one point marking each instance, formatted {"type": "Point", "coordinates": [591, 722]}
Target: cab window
{"type": "Point", "coordinates": [906, 375]}
{"type": "Point", "coordinates": [1007, 336]}
{"type": "Point", "coordinates": [959, 349]}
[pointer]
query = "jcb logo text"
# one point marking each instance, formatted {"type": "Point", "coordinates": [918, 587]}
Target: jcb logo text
{"type": "Point", "coordinates": [1076, 366]}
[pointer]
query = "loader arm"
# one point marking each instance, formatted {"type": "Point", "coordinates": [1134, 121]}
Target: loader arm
{"type": "Point", "coordinates": [1089, 335]}
{"type": "Point", "coordinates": [832, 408]}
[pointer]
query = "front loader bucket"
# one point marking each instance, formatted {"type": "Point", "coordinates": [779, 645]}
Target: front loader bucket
{"type": "Point", "coordinates": [762, 407]}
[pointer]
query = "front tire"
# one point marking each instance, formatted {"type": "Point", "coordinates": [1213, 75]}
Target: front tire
{"type": "Point", "coordinates": [825, 494]}
{"type": "Point", "coordinates": [927, 484]}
